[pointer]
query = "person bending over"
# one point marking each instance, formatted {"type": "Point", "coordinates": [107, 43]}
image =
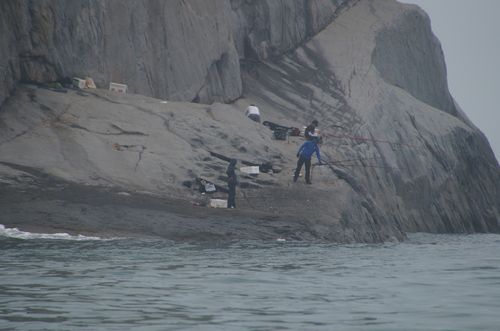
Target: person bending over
{"type": "Point", "coordinates": [253, 113]}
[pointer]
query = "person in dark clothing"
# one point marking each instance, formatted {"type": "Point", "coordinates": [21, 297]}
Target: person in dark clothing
{"type": "Point", "coordinates": [231, 183]}
{"type": "Point", "coordinates": [310, 133]}
{"type": "Point", "coordinates": [305, 155]}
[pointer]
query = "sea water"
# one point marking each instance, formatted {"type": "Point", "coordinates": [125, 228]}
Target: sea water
{"type": "Point", "coordinates": [429, 282]}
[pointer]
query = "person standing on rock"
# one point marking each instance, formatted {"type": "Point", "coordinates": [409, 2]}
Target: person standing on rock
{"type": "Point", "coordinates": [231, 183]}
{"type": "Point", "coordinates": [253, 113]}
{"type": "Point", "coordinates": [305, 155]}
{"type": "Point", "coordinates": [310, 132]}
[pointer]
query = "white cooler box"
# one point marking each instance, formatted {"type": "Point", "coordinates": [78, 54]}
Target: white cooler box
{"type": "Point", "coordinates": [250, 170]}
{"type": "Point", "coordinates": [218, 203]}
{"type": "Point", "coordinates": [118, 87]}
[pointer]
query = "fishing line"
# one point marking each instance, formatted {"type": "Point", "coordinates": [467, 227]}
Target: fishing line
{"type": "Point", "coordinates": [385, 142]}
{"type": "Point", "coordinates": [379, 141]}
{"type": "Point", "coordinates": [350, 160]}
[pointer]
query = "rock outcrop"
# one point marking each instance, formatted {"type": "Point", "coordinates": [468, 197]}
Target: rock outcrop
{"type": "Point", "coordinates": [168, 49]}
{"type": "Point", "coordinates": [175, 50]}
{"type": "Point", "coordinates": [400, 154]}
{"type": "Point", "coordinates": [421, 139]}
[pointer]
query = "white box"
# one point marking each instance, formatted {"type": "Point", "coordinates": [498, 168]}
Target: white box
{"type": "Point", "coordinates": [118, 87]}
{"type": "Point", "coordinates": [250, 170]}
{"type": "Point", "coordinates": [218, 203]}
{"type": "Point", "coordinates": [80, 83]}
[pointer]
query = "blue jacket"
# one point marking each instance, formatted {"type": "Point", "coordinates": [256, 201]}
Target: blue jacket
{"type": "Point", "coordinates": [230, 171]}
{"type": "Point", "coordinates": [308, 149]}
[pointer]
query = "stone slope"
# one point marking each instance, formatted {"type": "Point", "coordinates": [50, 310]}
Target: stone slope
{"type": "Point", "coordinates": [107, 142]}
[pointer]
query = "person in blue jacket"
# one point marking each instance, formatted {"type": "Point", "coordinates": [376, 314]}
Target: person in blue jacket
{"type": "Point", "coordinates": [231, 183]}
{"type": "Point", "coordinates": [305, 155]}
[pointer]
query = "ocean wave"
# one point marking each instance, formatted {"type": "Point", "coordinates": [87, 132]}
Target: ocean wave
{"type": "Point", "coordinates": [16, 233]}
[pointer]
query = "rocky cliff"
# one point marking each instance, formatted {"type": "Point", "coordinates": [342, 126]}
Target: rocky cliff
{"type": "Point", "coordinates": [176, 50]}
{"type": "Point", "coordinates": [400, 154]}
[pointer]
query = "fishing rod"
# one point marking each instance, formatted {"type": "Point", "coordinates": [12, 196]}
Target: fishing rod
{"type": "Point", "coordinates": [368, 166]}
{"type": "Point", "coordinates": [330, 164]}
{"type": "Point", "coordinates": [379, 141]}
{"type": "Point", "coordinates": [355, 165]}
{"type": "Point", "coordinates": [351, 160]}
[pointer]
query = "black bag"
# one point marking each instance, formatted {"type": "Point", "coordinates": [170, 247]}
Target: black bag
{"type": "Point", "coordinates": [280, 134]}
{"type": "Point", "coordinates": [265, 167]}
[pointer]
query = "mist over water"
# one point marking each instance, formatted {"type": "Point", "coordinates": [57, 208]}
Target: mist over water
{"type": "Point", "coordinates": [430, 282]}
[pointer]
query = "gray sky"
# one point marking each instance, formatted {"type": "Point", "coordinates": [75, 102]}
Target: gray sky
{"type": "Point", "coordinates": [469, 31]}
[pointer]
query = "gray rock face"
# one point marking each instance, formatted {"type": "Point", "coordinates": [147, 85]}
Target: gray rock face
{"type": "Point", "coordinates": [269, 28]}
{"type": "Point", "coordinates": [167, 49]}
{"type": "Point", "coordinates": [380, 100]}
{"type": "Point", "coordinates": [175, 50]}
{"type": "Point", "coordinates": [400, 154]}
{"type": "Point", "coordinates": [409, 56]}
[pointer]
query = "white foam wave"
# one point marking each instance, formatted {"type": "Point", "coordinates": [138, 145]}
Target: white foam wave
{"type": "Point", "coordinates": [16, 233]}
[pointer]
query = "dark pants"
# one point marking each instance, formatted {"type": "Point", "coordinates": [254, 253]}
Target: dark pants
{"type": "Point", "coordinates": [300, 162]}
{"type": "Point", "coordinates": [232, 193]}
{"type": "Point", "coordinates": [254, 117]}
